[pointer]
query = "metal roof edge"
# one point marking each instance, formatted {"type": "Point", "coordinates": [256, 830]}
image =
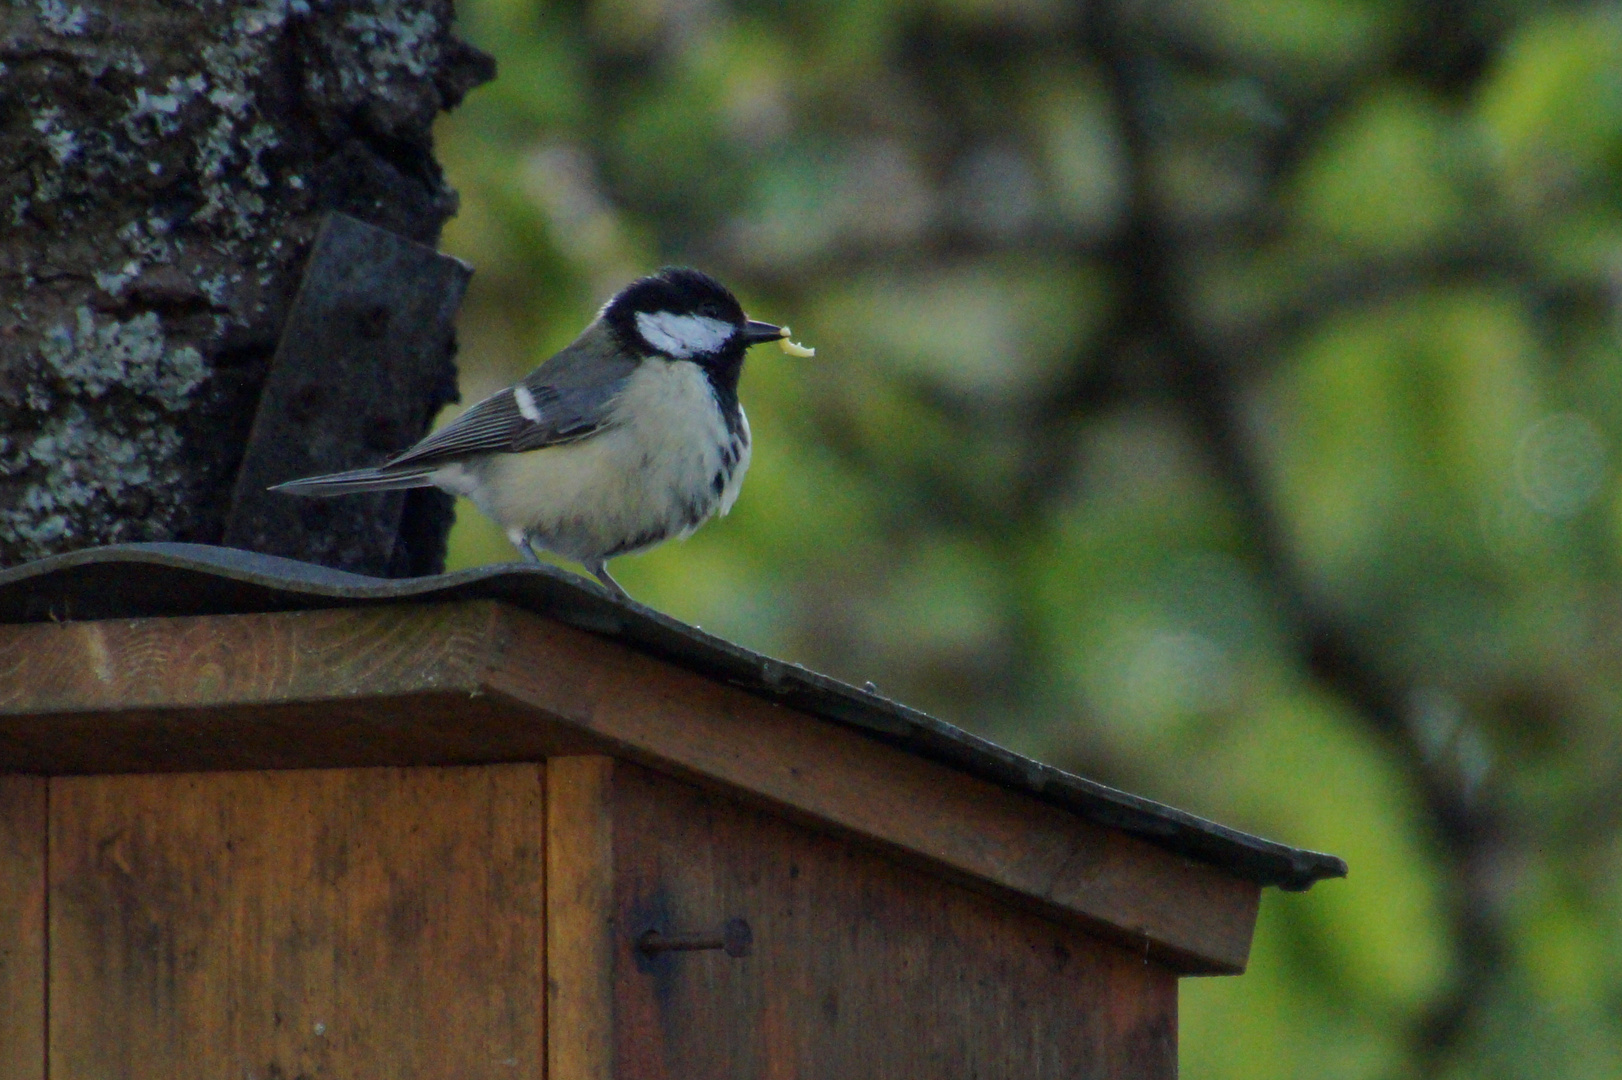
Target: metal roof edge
{"type": "Point", "coordinates": [194, 579]}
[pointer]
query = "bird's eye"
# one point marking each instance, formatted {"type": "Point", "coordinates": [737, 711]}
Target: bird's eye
{"type": "Point", "coordinates": [710, 310]}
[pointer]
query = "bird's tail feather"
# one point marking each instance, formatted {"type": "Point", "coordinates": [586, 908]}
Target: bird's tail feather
{"type": "Point", "coordinates": [347, 483]}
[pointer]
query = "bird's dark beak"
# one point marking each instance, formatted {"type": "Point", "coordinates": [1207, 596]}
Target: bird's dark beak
{"type": "Point", "coordinates": [758, 333]}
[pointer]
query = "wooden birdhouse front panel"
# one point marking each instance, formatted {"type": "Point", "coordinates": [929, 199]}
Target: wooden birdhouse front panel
{"type": "Point", "coordinates": [394, 921]}
{"type": "Point", "coordinates": [22, 927]}
{"type": "Point", "coordinates": [273, 925]}
{"type": "Point", "coordinates": [859, 966]}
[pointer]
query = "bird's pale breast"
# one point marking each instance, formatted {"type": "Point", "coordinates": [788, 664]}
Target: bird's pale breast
{"type": "Point", "coordinates": [663, 465]}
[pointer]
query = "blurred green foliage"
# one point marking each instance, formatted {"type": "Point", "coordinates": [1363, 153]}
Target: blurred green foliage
{"type": "Point", "coordinates": [1217, 398]}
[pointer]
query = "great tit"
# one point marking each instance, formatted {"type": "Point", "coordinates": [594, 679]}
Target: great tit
{"type": "Point", "coordinates": [631, 435]}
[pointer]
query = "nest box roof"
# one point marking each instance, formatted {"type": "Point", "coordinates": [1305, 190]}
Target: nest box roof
{"type": "Point", "coordinates": [174, 580]}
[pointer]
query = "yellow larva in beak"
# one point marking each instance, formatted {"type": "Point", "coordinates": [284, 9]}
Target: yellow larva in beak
{"type": "Point", "coordinates": [756, 332]}
{"type": "Point", "coordinates": [793, 348]}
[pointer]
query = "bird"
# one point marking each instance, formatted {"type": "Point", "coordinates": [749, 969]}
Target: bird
{"type": "Point", "coordinates": [629, 436]}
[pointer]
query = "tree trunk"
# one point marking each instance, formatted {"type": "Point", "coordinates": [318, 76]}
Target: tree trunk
{"type": "Point", "coordinates": [165, 168]}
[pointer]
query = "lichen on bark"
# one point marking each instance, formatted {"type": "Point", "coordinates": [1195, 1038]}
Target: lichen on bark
{"type": "Point", "coordinates": [167, 165]}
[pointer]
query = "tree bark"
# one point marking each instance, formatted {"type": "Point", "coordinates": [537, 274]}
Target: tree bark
{"type": "Point", "coordinates": [165, 169]}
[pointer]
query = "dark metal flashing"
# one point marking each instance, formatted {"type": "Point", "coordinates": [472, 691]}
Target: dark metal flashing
{"type": "Point", "coordinates": [173, 580]}
{"type": "Point", "coordinates": [362, 367]}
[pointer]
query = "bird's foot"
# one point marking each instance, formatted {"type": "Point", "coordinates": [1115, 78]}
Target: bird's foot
{"type": "Point", "coordinates": [599, 570]}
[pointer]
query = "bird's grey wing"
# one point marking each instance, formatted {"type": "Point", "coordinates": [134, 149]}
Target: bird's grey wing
{"type": "Point", "coordinates": [535, 413]}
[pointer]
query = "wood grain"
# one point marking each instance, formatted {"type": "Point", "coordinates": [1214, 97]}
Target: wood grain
{"type": "Point", "coordinates": [314, 689]}
{"type": "Point", "coordinates": [580, 923]}
{"type": "Point", "coordinates": [22, 927]}
{"type": "Point", "coordinates": [324, 923]}
{"type": "Point", "coordinates": [377, 686]}
{"type": "Point", "coordinates": [1185, 913]}
{"type": "Point", "coordinates": [860, 967]}
{"type": "Point", "coordinates": [79, 667]}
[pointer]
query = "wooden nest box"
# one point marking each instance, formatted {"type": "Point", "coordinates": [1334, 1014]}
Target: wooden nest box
{"type": "Point", "coordinates": [265, 821]}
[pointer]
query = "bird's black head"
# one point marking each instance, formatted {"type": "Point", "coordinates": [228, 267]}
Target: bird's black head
{"type": "Point", "coordinates": [682, 314]}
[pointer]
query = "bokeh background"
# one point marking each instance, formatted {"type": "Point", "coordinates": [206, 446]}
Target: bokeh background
{"type": "Point", "coordinates": [1218, 398]}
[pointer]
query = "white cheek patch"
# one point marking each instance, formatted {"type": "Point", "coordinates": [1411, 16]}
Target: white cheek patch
{"type": "Point", "coordinates": [683, 336]}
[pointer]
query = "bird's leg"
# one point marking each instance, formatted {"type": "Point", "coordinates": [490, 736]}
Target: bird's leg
{"type": "Point", "coordinates": [527, 550]}
{"type": "Point", "coordinates": [599, 570]}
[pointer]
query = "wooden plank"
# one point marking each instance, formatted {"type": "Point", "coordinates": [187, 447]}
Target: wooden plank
{"type": "Point", "coordinates": [22, 927]}
{"type": "Point", "coordinates": [368, 922]}
{"type": "Point", "coordinates": [1186, 913]}
{"type": "Point", "coordinates": [580, 925]}
{"type": "Point", "coordinates": [78, 667]}
{"type": "Point", "coordinates": [859, 967]}
{"type": "Point", "coordinates": [408, 730]}
{"type": "Point", "coordinates": [294, 690]}
{"type": "Point", "coordinates": [326, 687]}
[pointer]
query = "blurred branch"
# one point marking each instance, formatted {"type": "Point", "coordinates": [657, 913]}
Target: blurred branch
{"type": "Point", "coordinates": [1369, 282]}
{"type": "Point", "coordinates": [1206, 386]}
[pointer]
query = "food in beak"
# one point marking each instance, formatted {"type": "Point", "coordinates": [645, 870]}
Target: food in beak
{"type": "Point", "coordinates": [793, 348]}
